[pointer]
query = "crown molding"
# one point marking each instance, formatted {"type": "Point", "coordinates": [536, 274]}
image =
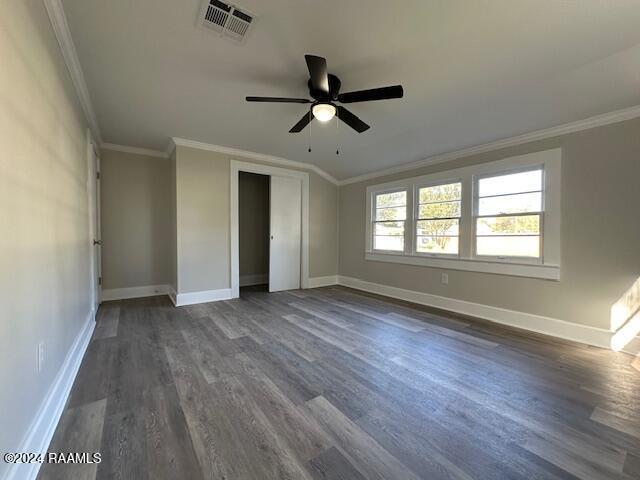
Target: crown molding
{"type": "Point", "coordinates": [60, 26]}
{"type": "Point", "coordinates": [591, 122]}
{"type": "Point", "coordinates": [63, 34]}
{"type": "Point", "coordinates": [261, 157]}
{"type": "Point", "coordinates": [136, 150]}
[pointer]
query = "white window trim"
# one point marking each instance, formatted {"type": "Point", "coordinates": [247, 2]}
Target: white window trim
{"type": "Point", "coordinates": [372, 209]}
{"type": "Point", "coordinates": [476, 206]}
{"type": "Point", "coordinates": [545, 267]}
{"type": "Point", "coordinates": [416, 196]}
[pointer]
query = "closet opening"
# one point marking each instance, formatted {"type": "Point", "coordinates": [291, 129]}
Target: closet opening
{"type": "Point", "coordinates": [253, 231]}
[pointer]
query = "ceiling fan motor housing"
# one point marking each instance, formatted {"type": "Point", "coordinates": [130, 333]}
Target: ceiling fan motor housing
{"type": "Point", "coordinates": [334, 90]}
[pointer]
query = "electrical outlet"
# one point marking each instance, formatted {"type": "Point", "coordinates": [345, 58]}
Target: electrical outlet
{"type": "Point", "coordinates": [445, 279]}
{"type": "Point", "coordinates": [40, 357]}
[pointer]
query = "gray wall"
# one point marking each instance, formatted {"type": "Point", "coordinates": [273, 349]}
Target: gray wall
{"type": "Point", "coordinates": [253, 224]}
{"type": "Point", "coordinates": [166, 221]}
{"type": "Point", "coordinates": [173, 225]}
{"type": "Point", "coordinates": [203, 221]}
{"type": "Point", "coordinates": [600, 233]}
{"type": "Point", "coordinates": [45, 246]}
{"type": "Point", "coordinates": [323, 227]}
{"type": "Point", "coordinates": [136, 220]}
{"type": "Point", "coordinates": [202, 193]}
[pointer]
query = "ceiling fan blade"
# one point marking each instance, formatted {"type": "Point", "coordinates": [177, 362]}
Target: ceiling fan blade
{"type": "Point", "coordinates": [278, 100]}
{"type": "Point", "coordinates": [304, 121]}
{"type": "Point", "coordinates": [383, 93]}
{"type": "Point", "coordinates": [350, 119]}
{"type": "Point", "coordinates": [318, 73]}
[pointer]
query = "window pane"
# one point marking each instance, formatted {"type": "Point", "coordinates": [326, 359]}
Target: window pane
{"type": "Point", "coordinates": [511, 183]}
{"type": "Point", "coordinates": [389, 228]}
{"type": "Point", "coordinates": [522, 203]}
{"type": "Point", "coordinates": [440, 210]}
{"type": "Point", "coordinates": [447, 245]}
{"type": "Point", "coordinates": [437, 227]}
{"type": "Point", "coordinates": [392, 213]}
{"type": "Point", "coordinates": [439, 193]}
{"type": "Point", "coordinates": [509, 246]}
{"type": "Point", "coordinates": [388, 243]}
{"type": "Point", "coordinates": [521, 225]}
{"type": "Point", "coordinates": [393, 199]}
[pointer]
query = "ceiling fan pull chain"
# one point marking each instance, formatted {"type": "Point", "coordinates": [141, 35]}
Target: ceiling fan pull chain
{"type": "Point", "coordinates": [337, 132]}
{"type": "Point", "coordinates": [309, 131]}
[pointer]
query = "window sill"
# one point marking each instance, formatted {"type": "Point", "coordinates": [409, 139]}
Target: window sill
{"type": "Point", "coordinates": [546, 272]}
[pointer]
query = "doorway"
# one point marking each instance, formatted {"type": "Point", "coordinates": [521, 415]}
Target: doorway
{"type": "Point", "coordinates": [286, 210]}
{"type": "Point", "coordinates": [253, 230]}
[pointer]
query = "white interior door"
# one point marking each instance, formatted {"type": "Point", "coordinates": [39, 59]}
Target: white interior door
{"type": "Point", "coordinates": [94, 214]}
{"type": "Point", "coordinates": [98, 240]}
{"type": "Point", "coordinates": [285, 233]}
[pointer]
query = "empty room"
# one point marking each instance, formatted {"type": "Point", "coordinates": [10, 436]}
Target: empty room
{"type": "Point", "coordinates": [304, 239]}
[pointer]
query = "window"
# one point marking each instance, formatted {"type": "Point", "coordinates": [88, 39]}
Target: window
{"type": "Point", "coordinates": [500, 217]}
{"type": "Point", "coordinates": [438, 219]}
{"type": "Point", "coordinates": [389, 221]}
{"type": "Point", "coordinates": [509, 214]}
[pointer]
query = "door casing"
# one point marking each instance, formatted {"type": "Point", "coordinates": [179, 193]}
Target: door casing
{"type": "Point", "coordinates": [235, 168]}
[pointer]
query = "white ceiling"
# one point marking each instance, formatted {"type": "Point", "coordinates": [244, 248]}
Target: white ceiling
{"type": "Point", "coordinates": [473, 72]}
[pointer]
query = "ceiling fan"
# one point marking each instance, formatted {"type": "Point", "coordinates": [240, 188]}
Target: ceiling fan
{"type": "Point", "coordinates": [324, 88]}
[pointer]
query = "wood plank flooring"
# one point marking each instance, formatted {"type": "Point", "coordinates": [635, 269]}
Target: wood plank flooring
{"type": "Point", "coordinates": [332, 383]}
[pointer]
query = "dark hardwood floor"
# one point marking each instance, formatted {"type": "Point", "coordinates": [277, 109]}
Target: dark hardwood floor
{"type": "Point", "coordinates": [335, 384]}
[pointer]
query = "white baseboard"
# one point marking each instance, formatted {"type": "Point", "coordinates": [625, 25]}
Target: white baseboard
{"type": "Point", "coordinates": [536, 323]}
{"type": "Point", "coordinates": [134, 292]}
{"type": "Point", "coordinates": [178, 299]}
{"type": "Point", "coordinates": [633, 347]}
{"type": "Point", "coordinates": [247, 280]}
{"type": "Point", "coordinates": [173, 295]}
{"type": "Point", "coordinates": [315, 282]}
{"type": "Point", "coordinates": [192, 298]}
{"type": "Point", "coordinates": [41, 430]}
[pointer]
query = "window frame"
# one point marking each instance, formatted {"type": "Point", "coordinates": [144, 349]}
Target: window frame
{"type": "Point", "coordinates": [476, 215]}
{"type": "Point", "coordinates": [547, 266]}
{"type": "Point", "coordinates": [373, 221]}
{"type": "Point", "coordinates": [416, 216]}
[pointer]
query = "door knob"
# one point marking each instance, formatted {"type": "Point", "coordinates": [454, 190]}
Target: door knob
{"type": "Point", "coordinates": [97, 242]}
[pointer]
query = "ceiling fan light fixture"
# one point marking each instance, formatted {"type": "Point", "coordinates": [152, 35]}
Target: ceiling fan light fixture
{"type": "Point", "coordinates": [324, 90]}
{"type": "Point", "coordinates": [323, 112]}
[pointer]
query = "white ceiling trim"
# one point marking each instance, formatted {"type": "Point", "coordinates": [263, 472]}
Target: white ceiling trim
{"type": "Point", "coordinates": [138, 151]}
{"type": "Point", "coordinates": [63, 34]}
{"type": "Point", "coordinates": [247, 154]}
{"type": "Point", "coordinates": [591, 122]}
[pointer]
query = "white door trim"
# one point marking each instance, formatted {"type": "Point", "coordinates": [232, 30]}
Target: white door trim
{"type": "Point", "coordinates": [236, 168]}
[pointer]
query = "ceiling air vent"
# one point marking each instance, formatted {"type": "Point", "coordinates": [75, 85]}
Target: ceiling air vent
{"type": "Point", "coordinates": [227, 19]}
